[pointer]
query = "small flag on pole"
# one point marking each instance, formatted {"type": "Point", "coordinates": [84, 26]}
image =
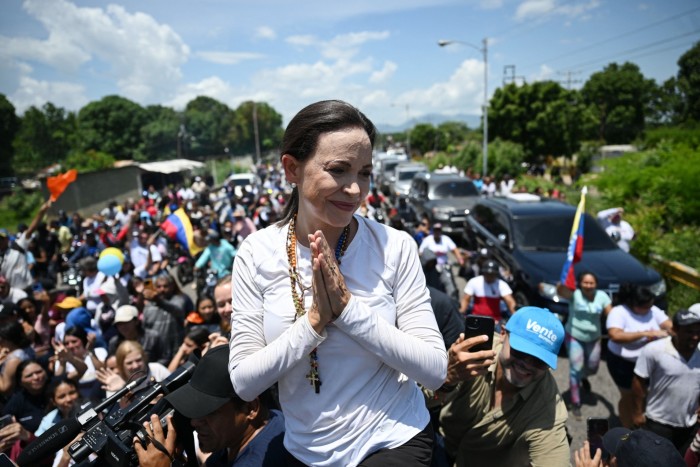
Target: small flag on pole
{"type": "Point", "coordinates": [177, 226]}
{"type": "Point", "coordinates": [575, 250]}
{"type": "Point", "coordinates": [58, 184]}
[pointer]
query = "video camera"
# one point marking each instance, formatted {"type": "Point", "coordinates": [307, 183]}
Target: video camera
{"type": "Point", "coordinates": [110, 438]}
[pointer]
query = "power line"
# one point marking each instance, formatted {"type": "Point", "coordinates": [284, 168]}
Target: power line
{"type": "Point", "coordinates": [620, 36]}
{"type": "Point", "coordinates": [651, 52]}
{"type": "Point", "coordinates": [646, 46]}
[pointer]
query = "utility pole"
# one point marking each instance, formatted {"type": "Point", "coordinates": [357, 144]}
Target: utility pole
{"type": "Point", "coordinates": [569, 80]}
{"type": "Point", "coordinates": [255, 131]}
{"type": "Point", "coordinates": [512, 78]}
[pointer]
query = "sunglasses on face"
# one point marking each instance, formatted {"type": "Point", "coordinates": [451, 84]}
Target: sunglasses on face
{"type": "Point", "coordinates": [528, 359]}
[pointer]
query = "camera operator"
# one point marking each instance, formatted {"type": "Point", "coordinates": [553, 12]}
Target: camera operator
{"type": "Point", "coordinates": [236, 432]}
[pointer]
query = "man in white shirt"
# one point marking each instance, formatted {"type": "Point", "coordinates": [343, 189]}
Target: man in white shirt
{"type": "Point", "coordinates": [619, 230]}
{"type": "Point", "coordinates": [666, 382]}
{"type": "Point", "coordinates": [144, 256]}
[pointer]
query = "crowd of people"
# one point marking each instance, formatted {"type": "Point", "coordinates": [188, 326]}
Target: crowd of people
{"type": "Point", "coordinates": [328, 338]}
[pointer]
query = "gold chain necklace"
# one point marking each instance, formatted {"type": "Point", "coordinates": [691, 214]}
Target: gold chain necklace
{"type": "Point", "coordinates": [298, 296]}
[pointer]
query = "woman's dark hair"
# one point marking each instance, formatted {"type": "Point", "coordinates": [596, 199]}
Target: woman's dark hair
{"type": "Point", "coordinates": [56, 382]}
{"type": "Point", "coordinates": [77, 331]}
{"type": "Point", "coordinates": [199, 335]}
{"type": "Point", "coordinates": [201, 298]}
{"type": "Point", "coordinates": [20, 368]}
{"type": "Point", "coordinates": [23, 314]}
{"type": "Point", "coordinates": [301, 136]}
{"type": "Point", "coordinates": [581, 274]}
{"type": "Point", "coordinates": [635, 295]}
{"type": "Point", "coordinates": [12, 331]}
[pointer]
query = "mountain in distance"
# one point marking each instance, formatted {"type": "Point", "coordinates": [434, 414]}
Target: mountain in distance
{"type": "Point", "coordinates": [472, 121]}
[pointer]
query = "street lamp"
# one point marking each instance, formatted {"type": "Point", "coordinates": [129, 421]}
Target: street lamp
{"type": "Point", "coordinates": [485, 109]}
{"type": "Point", "coordinates": [408, 129]}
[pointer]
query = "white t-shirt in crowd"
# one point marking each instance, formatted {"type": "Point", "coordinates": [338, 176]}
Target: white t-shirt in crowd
{"type": "Point", "coordinates": [621, 317]}
{"type": "Point", "coordinates": [441, 248]}
{"type": "Point", "coordinates": [139, 257]}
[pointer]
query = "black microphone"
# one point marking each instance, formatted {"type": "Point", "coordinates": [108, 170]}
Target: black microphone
{"type": "Point", "coordinates": [50, 442]}
{"type": "Point", "coordinates": [62, 433]}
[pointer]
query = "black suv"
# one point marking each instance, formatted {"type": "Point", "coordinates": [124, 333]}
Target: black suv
{"type": "Point", "coordinates": [445, 198]}
{"type": "Point", "coordinates": [529, 236]}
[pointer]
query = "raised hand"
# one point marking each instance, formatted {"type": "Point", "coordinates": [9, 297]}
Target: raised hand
{"type": "Point", "coordinates": [464, 364]}
{"type": "Point", "coordinates": [110, 379]}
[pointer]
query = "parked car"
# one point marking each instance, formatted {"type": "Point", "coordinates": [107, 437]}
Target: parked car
{"type": "Point", "coordinates": [403, 176]}
{"type": "Point", "coordinates": [239, 181]}
{"type": "Point", "coordinates": [384, 173]}
{"type": "Point", "coordinates": [445, 198]}
{"type": "Point", "coordinates": [529, 237]}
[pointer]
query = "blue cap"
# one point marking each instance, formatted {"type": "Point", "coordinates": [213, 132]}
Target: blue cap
{"type": "Point", "coordinates": [537, 332]}
{"type": "Point", "coordinates": [4, 233]}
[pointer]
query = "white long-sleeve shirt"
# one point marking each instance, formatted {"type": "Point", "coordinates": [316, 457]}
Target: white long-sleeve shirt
{"type": "Point", "coordinates": [369, 359]}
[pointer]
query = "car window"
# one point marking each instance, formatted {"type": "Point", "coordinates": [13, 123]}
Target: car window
{"type": "Point", "coordinates": [492, 220]}
{"type": "Point", "coordinates": [408, 174]}
{"type": "Point", "coordinates": [552, 233]}
{"type": "Point", "coordinates": [455, 189]}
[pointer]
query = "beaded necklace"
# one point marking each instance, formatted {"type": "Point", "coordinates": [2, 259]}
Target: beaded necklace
{"type": "Point", "coordinates": [298, 296]}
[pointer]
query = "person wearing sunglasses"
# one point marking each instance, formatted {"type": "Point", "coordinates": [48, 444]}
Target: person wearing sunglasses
{"type": "Point", "coordinates": [503, 406]}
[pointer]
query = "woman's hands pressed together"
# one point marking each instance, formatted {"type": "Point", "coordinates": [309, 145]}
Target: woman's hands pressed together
{"type": "Point", "coordinates": [331, 296]}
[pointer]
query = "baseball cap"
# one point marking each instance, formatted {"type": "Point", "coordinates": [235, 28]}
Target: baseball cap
{"type": "Point", "coordinates": [209, 388]}
{"type": "Point", "coordinates": [437, 226]}
{"type": "Point", "coordinates": [537, 332]}
{"type": "Point", "coordinates": [69, 303]}
{"type": "Point", "coordinates": [489, 267]}
{"type": "Point", "coordinates": [687, 317]}
{"type": "Point", "coordinates": [4, 233]}
{"type": "Point", "coordinates": [640, 448]}
{"type": "Point", "coordinates": [125, 313]}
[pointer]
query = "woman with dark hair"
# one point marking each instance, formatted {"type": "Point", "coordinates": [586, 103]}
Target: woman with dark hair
{"type": "Point", "coordinates": [34, 316]}
{"type": "Point", "coordinates": [28, 402]}
{"type": "Point", "coordinates": [334, 307]}
{"type": "Point", "coordinates": [587, 305]}
{"type": "Point", "coordinates": [64, 397]}
{"type": "Point", "coordinates": [16, 347]}
{"type": "Point", "coordinates": [632, 324]}
{"type": "Point", "coordinates": [204, 316]}
{"type": "Point", "coordinates": [80, 347]}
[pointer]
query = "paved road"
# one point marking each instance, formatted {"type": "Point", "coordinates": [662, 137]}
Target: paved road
{"type": "Point", "coordinates": [602, 402]}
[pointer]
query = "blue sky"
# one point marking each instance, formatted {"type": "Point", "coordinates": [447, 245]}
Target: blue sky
{"type": "Point", "coordinates": [380, 55]}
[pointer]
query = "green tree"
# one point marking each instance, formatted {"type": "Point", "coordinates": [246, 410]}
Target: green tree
{"type": "Point", "coordinates": [423, 137]}
{"type": "Point", "coordinates": [159, 135]}
{"type": "Point", "coordinates": [46, 136]}
{"type": "Point", "coordinates": [241, 138]}
{"type": "Point", "coordinates": [689, 82]}
{"type": "Point", "coordinates": [9, 124]}
{"type": "Point", "coordinates": [89, 161]}
{"type": "Point", "coordinates": [207, 123]}
{"type": "Point", "coordinates": [451, 134]}
{"type": "Point", "coordinates": [620, 97]}
{"type": "Point", "coordinates": [111, 125]}
{"type": "Point", "coordinates": [543, 117]}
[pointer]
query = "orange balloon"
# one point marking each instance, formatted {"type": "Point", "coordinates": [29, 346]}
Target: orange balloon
{"type": "Point", "coordinates": [58, 184]}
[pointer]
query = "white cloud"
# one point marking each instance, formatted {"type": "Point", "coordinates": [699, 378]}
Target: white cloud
{"type": "Point", "coordinates": [143, 56]}
{"type": "Point", "coordinates": [301, 40]}
{"type": "Point", "coordinates": [543, 74]}
{"type": "Point", "coordinates": [265, 32]}
{"type": "Point", "coordinates": [384, 74]}
{"type": "Point", "coordinates": [37, 93]}
{"type": "Point", "coordinates": [536, 9]}
{"type": "Point", "coordinates": [228, 58]}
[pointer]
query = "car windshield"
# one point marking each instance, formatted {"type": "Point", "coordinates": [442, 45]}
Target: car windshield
{"type": "Point", "coordinates": [552, 233]}
{"type": "Point", "coordinates": [455, 189]}
{"type": "Point", "coordinates": [390, 166]}
{"type": "Point", "coordinates": [409, 174]}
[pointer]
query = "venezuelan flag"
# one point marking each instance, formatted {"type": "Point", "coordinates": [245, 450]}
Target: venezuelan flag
{"type": "Point", "coordinates": [177, 226]}
{"type": "Point", "coordinates": [575, 251]}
